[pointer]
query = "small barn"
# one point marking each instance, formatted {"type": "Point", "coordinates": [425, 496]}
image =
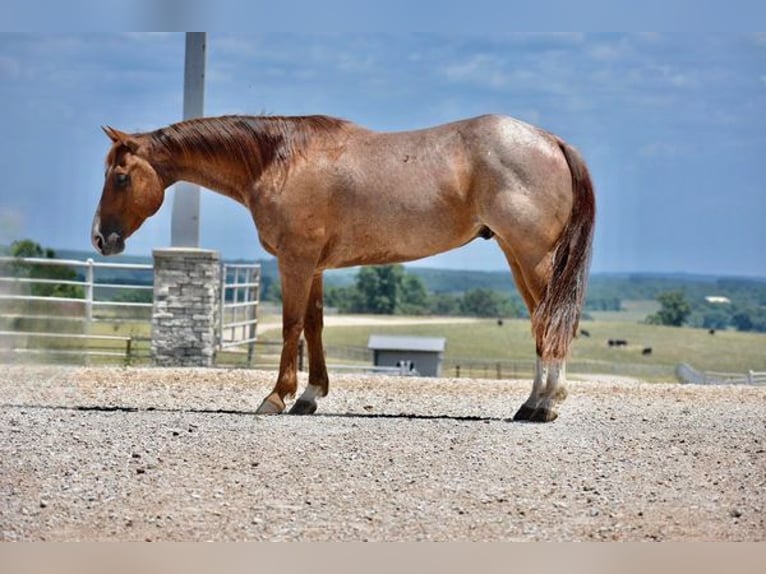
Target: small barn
{"type": "Point", "coordinates": [426, 354]}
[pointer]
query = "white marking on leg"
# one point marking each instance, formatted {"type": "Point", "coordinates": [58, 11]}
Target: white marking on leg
{"type": "Point", "coordinates": [537, 385]}
{"type": "Point", "coordinates": [311, 393]}
{"type": "Point", "coordinates": [555, 387]}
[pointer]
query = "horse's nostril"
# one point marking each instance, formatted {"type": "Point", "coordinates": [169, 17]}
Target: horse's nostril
{"type": "Point", "coordinates": [99, 241]}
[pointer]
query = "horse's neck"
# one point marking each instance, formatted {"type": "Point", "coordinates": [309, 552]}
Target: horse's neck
{"type": "Point", "coordinates": [213, 171]}
{"type": "Point", "coordinates": [210, 173]}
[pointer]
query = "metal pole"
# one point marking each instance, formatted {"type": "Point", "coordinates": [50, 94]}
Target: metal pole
{"type": "Point", "coordinates": [222, 309]}
{"type": "Point", "coordinates": [184, 227]}
{"type": "Point", "coordinates": [89, 294]}
{"type": "Point", "coordinates": [252, 314]}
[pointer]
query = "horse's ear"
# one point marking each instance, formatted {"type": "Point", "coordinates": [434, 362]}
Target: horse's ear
{"type": "Point", "coordinates": [120, 137]}
{"type": "Point", "coordinates": [114, 135]}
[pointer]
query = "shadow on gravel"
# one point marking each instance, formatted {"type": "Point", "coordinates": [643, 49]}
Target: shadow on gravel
{"type": "Point", "coordinates": [237, 412]}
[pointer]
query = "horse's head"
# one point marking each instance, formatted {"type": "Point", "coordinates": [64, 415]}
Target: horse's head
{"type": "Point", "coordinates": [132, 192]}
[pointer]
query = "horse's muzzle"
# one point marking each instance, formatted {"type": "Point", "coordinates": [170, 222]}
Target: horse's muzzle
{"type": "Point", "coordinates": [110, 245]}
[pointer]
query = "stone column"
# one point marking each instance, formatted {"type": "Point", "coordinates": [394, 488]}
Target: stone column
{"type": "Point", "coordinates": [187, 287]}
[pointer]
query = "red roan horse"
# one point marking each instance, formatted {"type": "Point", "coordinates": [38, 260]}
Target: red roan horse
{"type": "Point", "coordinates": [326, 193]}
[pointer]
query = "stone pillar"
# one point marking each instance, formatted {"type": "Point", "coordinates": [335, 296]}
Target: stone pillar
{"type": "Point", "coordinates": [187, 293]}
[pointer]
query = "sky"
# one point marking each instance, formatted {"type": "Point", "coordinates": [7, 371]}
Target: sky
{"type": "Point", "coordinates": [672, 126]}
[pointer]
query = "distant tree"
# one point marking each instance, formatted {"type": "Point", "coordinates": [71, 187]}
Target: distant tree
{"type": "Point", "coordinates": [134, 296]}
{"type": "Point", "coordinates": [742, 321]}
{"type": "Point", "coordinates": [750, 319]}
{"type": "Point", "coordinates": [674, 309]}
{"type": "Point", "coordinates": [715, 318]}
{"type": "Point", "coordinates": [487, 303]}
{"type": "Point", "coordinates": [26, 248]}
{"type": "Point", "coordinates": [344, 299]}
{"type": "Point", "coordinates": [444, 304]}
{"type": "Point", "coordinates": [379, 288]}
{"type": "Point", "coordinates": [414, 297]}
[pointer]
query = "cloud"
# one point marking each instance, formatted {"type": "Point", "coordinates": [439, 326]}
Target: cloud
{"type": "Point", "coordinates": [143, 36]}
{"type": "Point", "coordinates": [662, 150]}
{"type": "Point", "coordinates": [479, 69]}
{"type": "Point", "coordinates": [608, 50]}
{"type": "Point", "coordinates": [545, 73]}
{"type": "Point", "coordinates": [10, 68]}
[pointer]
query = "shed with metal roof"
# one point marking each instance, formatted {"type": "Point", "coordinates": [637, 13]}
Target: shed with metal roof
{"type": "Point", "coordinates": [425, 354]}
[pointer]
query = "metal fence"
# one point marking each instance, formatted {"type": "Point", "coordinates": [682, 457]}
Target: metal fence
{"type": "Point", "coordinates": [62, 307]}
{"type": "Point", "coordinates": [86, 313]}
{"type": "Point", "coordinates": [689, 375]}
{"type": "Point", "coordinates": [102, 311]}
{"type": "Point", "coordinates": [238, 317]}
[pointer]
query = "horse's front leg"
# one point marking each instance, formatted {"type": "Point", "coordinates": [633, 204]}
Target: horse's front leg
{"type": "Point", "coordinates": [296, 285]}
{"type": "Point", "coordinates": [312, 328]}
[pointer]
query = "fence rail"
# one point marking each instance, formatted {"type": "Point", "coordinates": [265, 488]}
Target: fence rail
{"type": "Point", "coordinates": [687, 374]}
{"type": "Point", "coordinates": [87, 306]}
{"type": "Point", "coordinates": [73, 322]}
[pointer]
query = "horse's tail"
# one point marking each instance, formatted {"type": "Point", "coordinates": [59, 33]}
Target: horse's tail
{"type": "Point", "coordinates": [556, 318]}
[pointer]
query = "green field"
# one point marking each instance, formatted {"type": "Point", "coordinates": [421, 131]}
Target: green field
{"type": "Point", "coordinates": [482, 346]}
{"type": "Point", "coordinates": [484, 340]}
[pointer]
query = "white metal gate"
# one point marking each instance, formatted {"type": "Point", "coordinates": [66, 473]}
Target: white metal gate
{"type": "Point", "coordinates": [238, 318]}
{"type": "Point", "coordinates": [96, 322]}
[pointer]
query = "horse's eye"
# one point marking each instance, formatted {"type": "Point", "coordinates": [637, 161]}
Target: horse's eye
{"type": "Point", "coordinates": [122, 179]}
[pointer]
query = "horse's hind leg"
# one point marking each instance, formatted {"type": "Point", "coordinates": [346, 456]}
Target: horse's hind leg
{"type": "Point", "coordinates": [318, 379]}
{"type": "Point", "coordinates": [549, 384]}
{"type": "Point", "coordinates": [548, 389]}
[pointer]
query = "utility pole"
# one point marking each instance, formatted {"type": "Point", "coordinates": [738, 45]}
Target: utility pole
{"type": "Point", "coordinates": [184, 227]}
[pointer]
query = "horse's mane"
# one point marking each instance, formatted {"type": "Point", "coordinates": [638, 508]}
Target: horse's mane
{"type": "Point", "coordinates": [255, 141]}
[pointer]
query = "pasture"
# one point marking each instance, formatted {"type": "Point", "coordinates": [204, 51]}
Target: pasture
{"type": "Point", "coordinates": [484, 340]}
{"type": "Point", "coordinates": [475, 344]}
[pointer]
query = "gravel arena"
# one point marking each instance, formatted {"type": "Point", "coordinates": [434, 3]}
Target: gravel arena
{"type": "Point", "coordinates": [133, 454]}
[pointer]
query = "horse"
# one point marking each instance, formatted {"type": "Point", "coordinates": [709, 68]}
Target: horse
{"type": "Point", "coordinates": [326, 193]}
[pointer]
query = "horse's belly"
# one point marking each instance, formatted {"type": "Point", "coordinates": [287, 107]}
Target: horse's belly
{"type": "Point", "coordinates": [382, 242]}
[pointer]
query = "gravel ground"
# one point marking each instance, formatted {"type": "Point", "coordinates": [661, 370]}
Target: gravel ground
{"type": "Point", "coordinates": [168, 454]}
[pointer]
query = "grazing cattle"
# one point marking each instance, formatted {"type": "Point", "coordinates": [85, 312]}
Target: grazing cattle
{"type": "Point", "coordinates": [647, 351]}
{"type": "Point", "coordinates": [584, 333]}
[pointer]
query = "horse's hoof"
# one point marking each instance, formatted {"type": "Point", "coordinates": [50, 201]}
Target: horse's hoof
{"type": "Point", "coordinates": [524, 413]}
{"type": "Point", "coordinates": [543, 416]}
{"type": "Point", "coordinates": [303, 407]}
{"type": "Point", "coordinates": [270, 406]}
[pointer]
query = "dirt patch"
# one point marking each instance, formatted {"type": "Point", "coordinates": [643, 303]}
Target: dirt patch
{"type": "Point", "coordinates": [169, 454]}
